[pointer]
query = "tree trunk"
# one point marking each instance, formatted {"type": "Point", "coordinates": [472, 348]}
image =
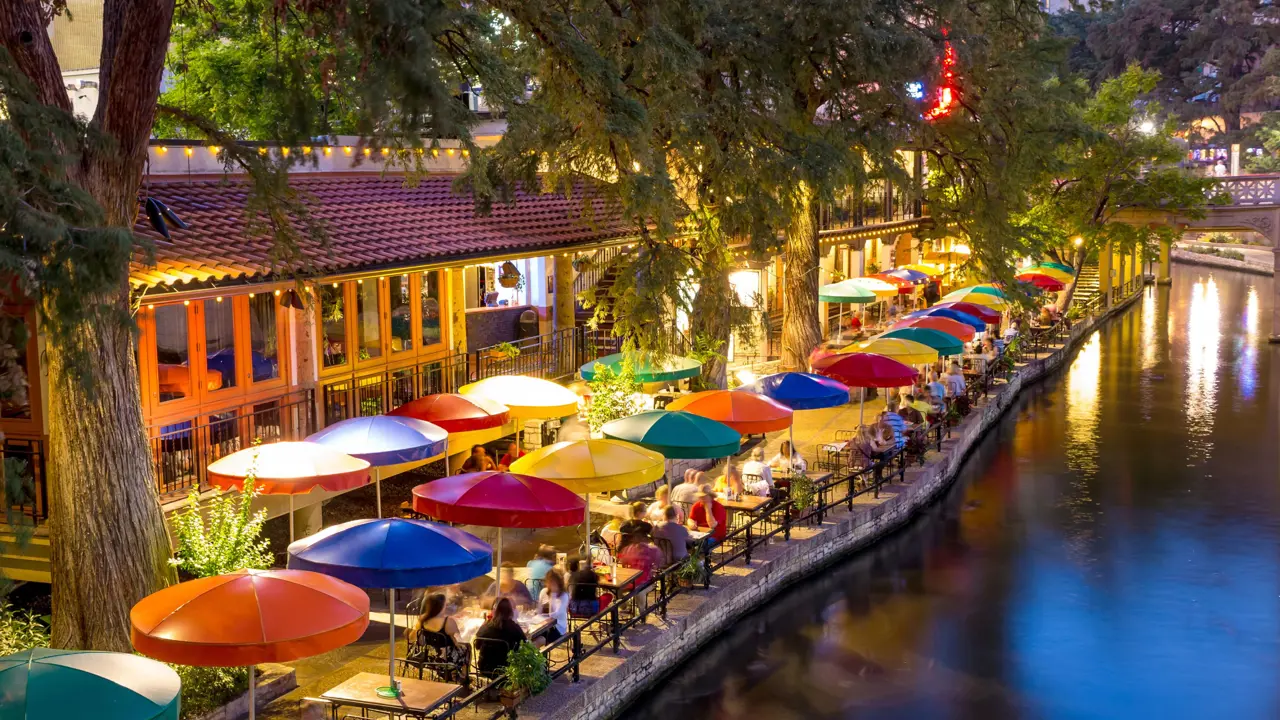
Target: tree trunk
{"type": "Point", "coordinates": [801, 331]}
{"type": "Point", "coordinates": [710, 318]}
{"type": "Point", "coordinates": [109, 545]}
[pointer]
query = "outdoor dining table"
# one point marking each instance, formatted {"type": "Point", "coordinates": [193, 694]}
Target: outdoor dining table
{"type": "Point", "coordinates": [616, 580]}
{"type": "Point", "coordinates": [417, 699]}
{"type": "Point", "coordinates": [533, 625]}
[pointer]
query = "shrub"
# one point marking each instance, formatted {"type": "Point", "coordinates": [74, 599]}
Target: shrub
{"type": "Point", "coordinates": [21, 630]}
{"type": "Point", "coordinates": [207, 688]}
{"type": "Point", "coordinates": [229, 539]}
{"type": "Point", "coordinates": [613, 395]}
{"type": "Point", "coordinates": [526, 671]}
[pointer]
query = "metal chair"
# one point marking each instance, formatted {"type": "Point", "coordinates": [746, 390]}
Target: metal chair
{"type": "Point", "coordinates": [437, 653]}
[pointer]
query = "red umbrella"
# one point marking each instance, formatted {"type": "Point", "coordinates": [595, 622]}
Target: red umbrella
{"type": "Point", "coordinates": [958, 330]}
{"type": "Point", "coordinates": [748, 413]}
{"type": "Point", "coordinates": [1044, 282]}
{"type": "Point", "coordinates": [983, 313]}
{"type": "Point", "coordinates": [864, 370]}
{"type": "Point", "coordinates": [904, 286]}
{"type": "Point", "coordinates": [249, 617]}
{"type": "Point", "coordinates": [456, 413]}
{"type": "Point", "coordinates": [501, 500]}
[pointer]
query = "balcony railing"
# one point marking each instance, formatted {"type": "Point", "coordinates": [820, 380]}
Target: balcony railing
{"type": "Point", "coordinates": [1251, 190]}
{"type": "Point", "coordinates": [182, 448]}
{"type": "Point", "coordinates": [873, 203]}
{"type": "Point", "coordinates": [27, 493]}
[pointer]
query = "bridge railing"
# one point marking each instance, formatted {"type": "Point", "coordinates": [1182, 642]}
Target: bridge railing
{"type": "Point", "coordinates": [1251, 190]}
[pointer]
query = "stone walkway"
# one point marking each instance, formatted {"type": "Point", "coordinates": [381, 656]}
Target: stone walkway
{"type": "Point", "coordinates": [813, 427]}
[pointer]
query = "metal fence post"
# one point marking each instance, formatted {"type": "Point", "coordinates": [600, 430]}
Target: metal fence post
{"type": "Point", "coordinates": [576, 648]}
{"type": "Point", "coordinates": [747, 553]}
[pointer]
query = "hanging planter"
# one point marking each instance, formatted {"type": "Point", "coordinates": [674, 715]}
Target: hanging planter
{"type": "Point", "coordinates": [509, 277]}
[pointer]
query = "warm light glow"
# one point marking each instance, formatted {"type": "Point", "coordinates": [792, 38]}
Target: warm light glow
{"type": "Point", "coordinates": [189, 151]}
{"type": "Point", "coordinates": [449, 152]}
{"type": "Point", "coordinates": [367, 151]}
{"type": "Point", "coordinates": [1077, 240]}
{"type": "Point", "coordinates": [466, 153]}
{"type": "Point", "coordinates": [277, 293]}
{"type": "Point", "coordinates": [346, 149]}
{"type": "Point", "coordinates": [251, 294]}
{"type": "Point", "coordinates": [186, 302]}
{"type": "Point", "coordinates": [386, 152]}
{"type": "Point", "coordinates": [162, 149]}
{"type": "Point", "coordinates": [214, 149]}
{"type": "Point", "coordinates": [306, 149]}
{"type": "Point", "coordinates": [262, 151]}
{"type": "Point", "coordinates": [1082, 407]}
{"type": "Point", "coordinates": [635, 167]}
{"type": "Point", "coordinates": [328, 151]}
{"type": "Point", "coordinates": [151, 306]}
{"type": "Point", "coordinates": [435, 152]}
{"type": "Point", "coordinates": [219, 298]}
{"type": "Point", "coordinates": [1204, 346]}
{"type": "Point", "coordinates": [745, 376]}
{"type": "Point", "coordinates": [284, 152]}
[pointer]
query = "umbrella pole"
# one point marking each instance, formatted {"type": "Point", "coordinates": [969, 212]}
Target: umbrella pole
{"type": "Point", "coordinates": [377, 491]}
{"type": "Point", "coordinates": [252, 703]}
{"type": "Point", "coordinates": [587, 513]}
{"type": "Point", "coordinates": [862, 402]}
{"type": "Point", "coordinates": [498, 574]}
{"type": "Point", "coordinates": [392, 689]}
{"type": "Point", "coordinates": [290, 519]}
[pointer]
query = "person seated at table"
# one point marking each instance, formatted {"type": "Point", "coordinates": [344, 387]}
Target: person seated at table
{"type": "Point", "coordinates": [671, 530]}
{"type": "Point", "coordinates": [989, 352]}
{"type": "Point", "coordinates": [756, 468]}
{"type": "Point", "coordinates": [479, 460]}
{"type": "Point", "coordinates": [435, 629]}
{"type": "Point", "coordinates": [661, 501]}
{"type": "Point", "coordinates": [955, 381]}
{"type": "Point", "coordinates": [611, 534]}
{"type": "Point", "coordinates": [543, 561]}
{"type": "Point", "coordinates": [554, 601]}
{"type": "Point", "coordinates": [641, 554]}
{"type": "Point", "coordinates": [936, 387]}
{"type": "Point", "coordinates": [709, 515]}
{"type": "Point", "coordinates": [909, 412]}
{"type": "Point", "coordinates": [506, 586]}
{"type": "Point", "coordinates": [685, 494]}
{"type": "Point", "coordinates": [636, 522]}
{"type": "Point", "coordinates": [874, 441]}
{"type": "Point", "coordinates": [584, 588]}
{"type": "Point", "coordinates": [730, 483]}
{"type": "Point", "coordinates": [497, 637]}
{"type": "Point", "coordinates": [513, 453]}
{"type": "Point", "coordinates": [788, 460]}
{"type": "Point", "coordinates": [890, 415]}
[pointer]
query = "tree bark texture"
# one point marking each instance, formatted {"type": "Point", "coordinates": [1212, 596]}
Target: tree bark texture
{"type": "Point", "coordinates": [109, 546]}
{"type": "Point", "coordinates": [710, 317]}
{"type": "Point", "coordinates": [801, 331]}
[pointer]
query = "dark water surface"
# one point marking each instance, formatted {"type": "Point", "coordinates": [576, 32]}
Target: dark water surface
{"type": "Point", "coordinates": [1111, 551]}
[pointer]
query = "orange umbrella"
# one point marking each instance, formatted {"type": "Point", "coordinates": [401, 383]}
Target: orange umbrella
{"type": "Point", "coordinates": [289, 468]}
{"type": "Point", "coordinates": [748, 413]}
{"type": "Point", "coordinates": [958, 330]}
{"type": "Point", "coordinates": [249, 617]}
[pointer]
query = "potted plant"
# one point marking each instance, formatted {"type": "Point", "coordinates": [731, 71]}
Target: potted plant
{"type": "Point", "coordinates": [526, 674]}
{"type": "Point", "coordinates": [582, 263]}
{"type": "Point", "coordinates": [505, 351]}
{"type": "Point", "coordinates": [509, 276]}
{"type": "Point", "coordinates": [689, 572]}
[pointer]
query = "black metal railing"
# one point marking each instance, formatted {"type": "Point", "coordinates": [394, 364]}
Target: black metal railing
{"type": "Point", "coordinates": [27, 492]}
{"type": "Point", "coordinates": [554, 356]}
{"type": "Point", "coordinates": [874, 202]}
{"type": "Point", "coordinates": [182, 448]}
{"type": "Point", "coordinates": [595, 268]}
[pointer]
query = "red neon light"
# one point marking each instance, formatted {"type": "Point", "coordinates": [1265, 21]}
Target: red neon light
{"type": "Point", "coordinates": [948, 93]}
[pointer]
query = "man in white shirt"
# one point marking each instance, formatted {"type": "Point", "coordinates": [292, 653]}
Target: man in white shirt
{"type": "Point", "coordinates": [757, 475]}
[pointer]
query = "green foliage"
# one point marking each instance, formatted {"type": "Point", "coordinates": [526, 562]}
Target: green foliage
{"type": "Point", "coordinates": [21, 630]}
{"type": "Point", "coordinates": [802, 491]}
{"type": "Point", "coordinates": [613, 395]}
{"type": "Point", "coordinates": [207, 688]}
{"type": "Point", "coordinates": [526, 672]}
{"type": "Point", "coordinates": [692, 568]}
{"type": "Point", "coordinates": [1216, 252]}
{"type": "Point", "coordinates": [506, 350]}
{"type": "Point", "coordinates": [1268, 134]}
{"type": "Point", "coordinates": [705, 351]}
{"type": "Point", "coordinates": [223, 535]}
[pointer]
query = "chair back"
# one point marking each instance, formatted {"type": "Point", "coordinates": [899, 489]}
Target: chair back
{"type": "Point", "coordinates": [491, 654]}
{"type": "Point", "coordinates": [667, 551]}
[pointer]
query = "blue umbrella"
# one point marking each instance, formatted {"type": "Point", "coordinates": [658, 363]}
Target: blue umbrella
{"type": "Point", "coordinates": [393, 553]}
{"type": "Point", "coordinates": [800, 391]}
{"type": "Point", "coordinates": [914, 276]}
{"type": "Point", "coordinates": [964, 317]}
{"type": "Point", "coordinates": [383, 441]}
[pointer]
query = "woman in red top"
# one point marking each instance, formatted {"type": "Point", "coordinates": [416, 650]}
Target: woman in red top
{"type": "Point", "coordinates": [709, 514]}
{"type": "Point", "coordinates": [640, 554]}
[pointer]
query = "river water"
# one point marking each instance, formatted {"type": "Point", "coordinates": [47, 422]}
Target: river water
{"type": "Point", "coordinates": [1112, 550]}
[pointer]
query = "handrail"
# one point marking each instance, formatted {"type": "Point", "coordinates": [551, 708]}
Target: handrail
{"type": "Point", "coordinates": [599, 263]}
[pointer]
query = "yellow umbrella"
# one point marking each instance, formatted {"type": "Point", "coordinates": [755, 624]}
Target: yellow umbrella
{"type": "Point", "coordinates": [907, 352]}
{"type": "Point", "coordinates": [969, 295]}
{"type": "Point", "coordinates": [1053, 272]}
{"type": "Point", "coordinates": [882, 289]}
{"type": "Point", "coordinates": [528, 398]}
{"type": "Point", "coordinates": [930, 270]}
{"type": "Point", "coordinates": [587, 466]}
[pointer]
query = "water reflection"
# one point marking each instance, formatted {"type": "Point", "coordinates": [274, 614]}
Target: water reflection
{"type": "Point", "coordinates": [1109, 552]}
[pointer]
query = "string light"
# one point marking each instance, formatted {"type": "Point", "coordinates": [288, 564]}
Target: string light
{"type": "Point", "coordinates": [162, 149]}
{"type": "Point", "coordinates": [214, 149]}
{"type": "Point", "coordinates": [386, 151]}
{"type": "Point", "coordinates": [449, 152]}
{"type": "Point", "coordinates": [435, 152]}
{"type": "Point", "coordinates": [328, 151]}
{"type": "Point", "coordinates": [346, 150]}
{"type": "Point", "coordinates": [277, 293]}
{"type": "Point", "coordinates": [219, 298]}
{"type": "Point", "coordinates": [284, 152]}
{"type": "Point", "coordinates": [186, 302]}
{"type": "Point", "coordinates": [189, 151]}
{"type": "Point", "coordinates": [466, 152]}
{"type": "Point", "coordinates": [367, 151]}
{"type": "Point", "coordinates": [262, 151]}
{"type": "Point", "coordinates": [306, 149]}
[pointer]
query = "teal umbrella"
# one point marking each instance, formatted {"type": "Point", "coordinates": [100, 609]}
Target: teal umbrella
{"type": "Point", "coordinates": [845, 291]}
{"type": "Point", "coordinates": [1058, 266]}
{"type": "Point", "coordinates": [942, 342]}
{"type": "Point", "coordinates": [988, 290]}
{"type": "Point", "coordinates": [42, 684]}
{"type": "Point", "coordinates": [678, 435]}
{"type": "Point", "coordinates": [671, 369]}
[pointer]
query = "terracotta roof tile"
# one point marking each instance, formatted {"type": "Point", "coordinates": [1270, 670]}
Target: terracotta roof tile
{"type": "Point", "coordinates": [373, 221]}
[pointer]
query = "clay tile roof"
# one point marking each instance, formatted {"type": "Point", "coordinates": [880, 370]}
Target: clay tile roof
{"type": "Point", "coordinates": [373, 222]}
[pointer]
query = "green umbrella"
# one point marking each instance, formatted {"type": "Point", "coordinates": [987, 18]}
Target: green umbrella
{"type": "Point", "coordinates": [676, 434]}
{"type": "Point", "coordinates": [1058, 266]}
{"type": "Point", "coordinates": [845, 291]}
{"type": "Point", "coordinates": [988, 289]}
{"type": "Point", "coordinates": [942, 342]}
{"type": "Point", "coordinates": [671, 369]}
{"type": "Point", "coordinates": [42, 683]}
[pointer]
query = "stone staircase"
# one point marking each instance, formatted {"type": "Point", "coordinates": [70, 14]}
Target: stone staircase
{"type": "Point", "coordinates": [1086, 283]}
{"type": "Point", "coordinates": [604, 279]}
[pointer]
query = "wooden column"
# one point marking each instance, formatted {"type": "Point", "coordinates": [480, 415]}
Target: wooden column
{"type": "Point", "coordinates": [457, 309]}
{"type": "Point", "coordinates": [563, 307]}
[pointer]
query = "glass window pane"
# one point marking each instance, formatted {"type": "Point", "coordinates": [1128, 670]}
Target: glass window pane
{"type": "Point", "coordinates": [430, 308]}
{"type": "Point", "coordinates": [401, 313]}
{"type": "Point", "coordinates": [263, 337]}
{"type": "Point", "coordinates": [369, 330]}
{"type": "Point", "coordinates": [173, 368]}
{"type": "Point", "coordinates": [15, 338]}
{"type": "Point", "coordinates": [219, 345]}
{"type": "Point", "coordinates": [333, 313]}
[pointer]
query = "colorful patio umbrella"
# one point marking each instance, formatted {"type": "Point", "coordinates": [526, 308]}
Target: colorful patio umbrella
{"type": "Point", "coordinates": [289, 468]}
{"type": "Point", "coordinates": [882, 289]}
{"type": "Point", "coordinates": [957, 330]}
{"type": "Point", "coordinates": [942, 342]}
{"type": "Point", "coordinates": [1052, 271]}
{"type": "Point", "coordinates": [676, 434]}
{"type": "Point", "coordinates": [392, 554]}
{"type": "Point", "coordinates": [950, 314]}
{"type": "Point", "coordinates": [747, 413]}
{"type": "Point", "coordinates": [1057, 266]}
{"type": "Point", "coordinates": [989, 289]}
{"type": "Point", "coordinates": [930, 270]}
{"type": "Point", "coordinates": [904, 286]}
{"type": "Point", "coordinates": [904, 351]}
{"type": "Point", "coordinates": [498, 499]}
{"type": "Point", "coordinates": [1041, 281]}
{"type": "Point", "coordinates": [389, 443]}
{"type": "Point", "coordinates": [669, 370]}
{"type": "Point", "coordinates": [800, 391]}
{"type": "Point", "coordinates": [846, 291]}
{"type": "Point", "coordinates": [527, 398]}
{"type": "Point", "coordinates": [975, 297]}
{"type": "Point", "coordinates": [248, 617]}
{"type": "Point", "coordinates": [43, 683]}
{"type": "Point", "coordinates": [982, 312]}
{"type": "Point", "coordinates": [915, 277]}
{"type": "Point", "coordinates": [587, 466]}
{"type": "Point", "coordinates": [455, 413]}
{"type": "Point", "coordinates": [864, 370]}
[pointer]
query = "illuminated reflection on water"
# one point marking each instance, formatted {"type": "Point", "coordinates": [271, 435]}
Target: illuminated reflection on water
{"type": "Point", "coordinates": [1134, 578]}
